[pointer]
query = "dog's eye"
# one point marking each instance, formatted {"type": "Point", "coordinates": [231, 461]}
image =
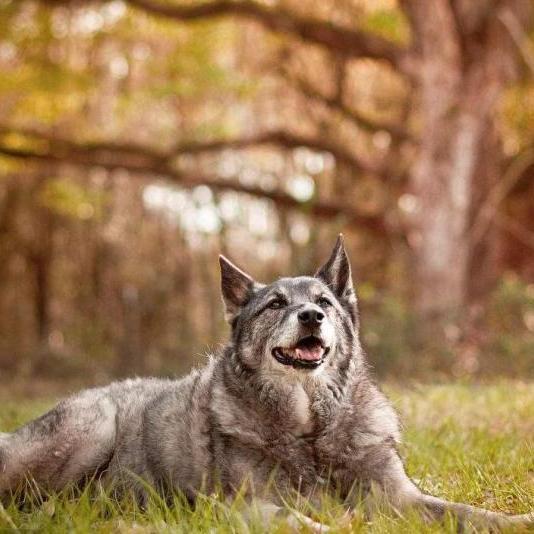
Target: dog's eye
{"type": "Point", "coordinates": [277, 304]}
{"type": "Point", "coordinates": [323, 302]}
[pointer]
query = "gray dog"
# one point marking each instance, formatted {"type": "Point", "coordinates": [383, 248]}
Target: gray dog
{"type": "Point", "coordinates": [289, 406]}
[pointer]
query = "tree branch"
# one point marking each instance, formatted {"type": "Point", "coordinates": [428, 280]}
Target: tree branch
{"type": "Point", "coordinates": [285, 140]}
{"type": "Point", "coordinates": [336, 104]}
{"type": "Point", "coordinates": [488, 213]}
{"type": "Point", "coordinates": [353, 43]}
{"type": "Point", "coordinates": [151, 163]}
{"type": "Point", "coordinates": [140, 154]}
{"type": "Point", "coordinates": [521, 233]}
{"type": "Point", "coordinates": [340, 39]}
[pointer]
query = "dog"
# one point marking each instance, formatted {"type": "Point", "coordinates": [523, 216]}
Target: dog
{"type": "Point", "coordinates": [288, 406]}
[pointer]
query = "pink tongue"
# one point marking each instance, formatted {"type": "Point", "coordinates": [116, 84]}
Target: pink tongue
{"type": "Point", "coordinates": [310, 354]}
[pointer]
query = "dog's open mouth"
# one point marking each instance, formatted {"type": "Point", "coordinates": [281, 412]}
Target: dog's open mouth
{"type": "Point", "coordinates": [309, 352]}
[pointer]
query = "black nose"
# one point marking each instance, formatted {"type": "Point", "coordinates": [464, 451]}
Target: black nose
{"type": "Point", "coordinates": [311, 317]}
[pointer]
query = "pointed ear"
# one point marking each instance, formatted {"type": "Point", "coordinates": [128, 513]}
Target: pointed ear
{"type": "Point", "coordinates": [336, 274]}
{"type": "Point", "coordinates": [236, 287]}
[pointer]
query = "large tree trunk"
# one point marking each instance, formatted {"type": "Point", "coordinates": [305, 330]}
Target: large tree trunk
{"type": "Point", "coordinates": [41, 257]}
{"type": "Point", "coordinates": [466, 57]}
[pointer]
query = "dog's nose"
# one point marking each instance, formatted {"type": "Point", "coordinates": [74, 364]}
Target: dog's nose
{"type": "Point", "coordinates": [310, 317]}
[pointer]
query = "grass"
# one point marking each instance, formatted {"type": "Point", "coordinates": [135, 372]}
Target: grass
{"type": "Point", "coordinates": [470, 443]}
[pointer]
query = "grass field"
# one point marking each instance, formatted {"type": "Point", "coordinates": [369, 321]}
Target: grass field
{"type": "Point", "coordinates": [470, 443]}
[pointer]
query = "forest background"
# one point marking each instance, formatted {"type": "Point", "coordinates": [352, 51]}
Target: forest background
{"type": "Point", "coordinates": [140, 138]}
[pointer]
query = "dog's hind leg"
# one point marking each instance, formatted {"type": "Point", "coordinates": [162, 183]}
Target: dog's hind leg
{"type": "Point", "coordinates": [61, 447]}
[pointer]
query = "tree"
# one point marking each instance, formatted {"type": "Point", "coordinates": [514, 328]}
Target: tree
{"type": "Point", "coordinates": [458, 60]}
{"type": "Point", "coordinates": [465, 58]}
{"type": "Point", "coordinates": [461, 57]}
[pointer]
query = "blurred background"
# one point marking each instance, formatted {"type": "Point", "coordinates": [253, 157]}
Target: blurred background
{"type": "Point", "coordinates": [140, 138]}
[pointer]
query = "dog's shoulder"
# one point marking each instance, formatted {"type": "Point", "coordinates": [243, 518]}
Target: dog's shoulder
{"type": "Point", "coordinates": [366, 415]}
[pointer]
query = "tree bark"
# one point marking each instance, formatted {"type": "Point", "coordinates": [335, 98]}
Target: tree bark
{"type": "Point", "coordinates": [41, 257]}
{"type": "Point", "coordinates": [465, 61]}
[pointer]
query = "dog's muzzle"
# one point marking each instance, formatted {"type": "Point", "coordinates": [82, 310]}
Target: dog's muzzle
{"type": "Point", "coordinates": [309, 353]}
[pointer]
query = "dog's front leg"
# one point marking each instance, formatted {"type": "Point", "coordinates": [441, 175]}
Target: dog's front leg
{"type": "Point", "coordinates": [391, 484]}
{"type": "Point", "coordinates": [478, 517]}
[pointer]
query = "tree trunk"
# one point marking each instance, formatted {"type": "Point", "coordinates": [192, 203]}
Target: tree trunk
{"type": "Point", "coordinates": [465, 58]}
{"type": "Point", "coordinates": [41, 256]}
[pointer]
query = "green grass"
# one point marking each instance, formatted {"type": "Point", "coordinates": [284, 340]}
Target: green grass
{"type": "Point", "coordinates": [470, 443]}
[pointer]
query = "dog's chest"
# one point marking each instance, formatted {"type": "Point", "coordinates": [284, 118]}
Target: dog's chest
{"type": "Point", "coordinates": [301, 411]}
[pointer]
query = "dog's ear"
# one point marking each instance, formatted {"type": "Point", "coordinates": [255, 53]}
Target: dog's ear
{"type": "Point", "coordinates": [236, 287]}
{"type": "Point", "coordinates": [336, 274]}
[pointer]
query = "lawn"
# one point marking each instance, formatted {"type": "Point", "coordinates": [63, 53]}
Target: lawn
{"type": "Point", "coordinates": [470, 443]}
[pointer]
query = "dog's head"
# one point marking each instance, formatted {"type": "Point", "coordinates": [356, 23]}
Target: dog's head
{"type": "Point", "coordinates": [300, 323]}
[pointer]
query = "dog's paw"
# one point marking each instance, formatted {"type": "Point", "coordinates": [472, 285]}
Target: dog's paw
{"type": "Point", "coordinates": [297, 520]}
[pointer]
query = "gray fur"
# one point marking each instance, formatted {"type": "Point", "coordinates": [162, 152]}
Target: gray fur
{"type": "Point", "coordinates": [244, 417]}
